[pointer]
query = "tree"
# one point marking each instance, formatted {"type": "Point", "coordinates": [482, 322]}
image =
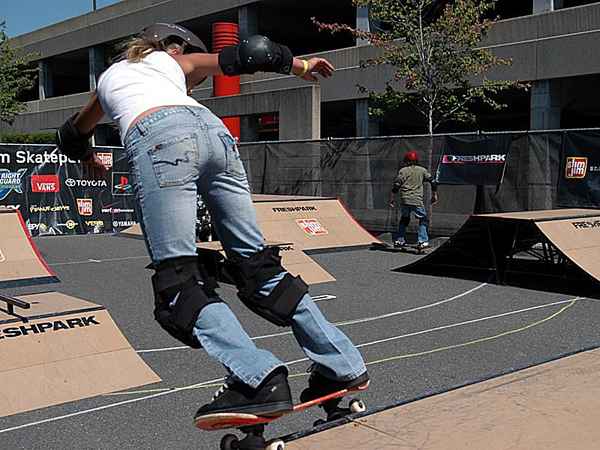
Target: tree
{"type": "Point", "coordinates": [16, 76]}
{"type": "Point", "coordinates": [434, 48]}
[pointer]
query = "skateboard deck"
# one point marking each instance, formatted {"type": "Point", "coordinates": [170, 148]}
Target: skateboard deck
{"type": "Point", "coordinates": [221, 421]}
{"type": "Point", "coordinates": [408, 248]}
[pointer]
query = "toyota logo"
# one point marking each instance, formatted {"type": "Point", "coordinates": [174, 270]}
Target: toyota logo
{"type": "Point", "coordinates": [70, 182]}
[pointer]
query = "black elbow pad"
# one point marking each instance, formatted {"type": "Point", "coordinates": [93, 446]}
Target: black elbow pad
{"type": "Point", "coordinates": [72, 142]}
{"type": "Point", "coordinates": [256, 54]}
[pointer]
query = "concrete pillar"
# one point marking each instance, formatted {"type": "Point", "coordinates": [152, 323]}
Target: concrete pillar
{"type": "Point", "coordinates": [365, 125]}
{"type": "Point", "coordinates": [362, 23]}
{"type": "Point", "coordinates": [545, 105]}
{"type": "Point", "coordinates": [300, 115]}
{"type": "Point", "coordinates": [544, 6]}
{"type": "Point", "coordinates": [96, 64]}
{"type": "Point", "coordinates": [46, 84]}
{"type": "Point", "coordinates": [545, 115]}
{"type": "Point", "coordinates": [248, 20]}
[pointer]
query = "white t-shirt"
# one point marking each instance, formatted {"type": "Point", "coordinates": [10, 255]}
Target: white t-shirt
{"type": "Point", "coordinates": [127, 89]}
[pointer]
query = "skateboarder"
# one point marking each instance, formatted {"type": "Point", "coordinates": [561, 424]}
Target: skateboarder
{"type": "Point", "coordinates": [177, 148]}
{"type": "Point", "coordinates": [409, 184]}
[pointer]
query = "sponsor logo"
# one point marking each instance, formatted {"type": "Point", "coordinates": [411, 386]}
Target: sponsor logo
{"type": "Point", "coordinates": [11, 207]}
{"type": "Point", "coordinates": [285, 248]}
{"type": "Point", "coordinates": [584, 224]}
{"type": "Point", "coordinates": [85, 206]}
{"type": "Point", "coordinates": [49, 208]}
{"type": "Point", "coordinates": [10, 181]}
{"type": "Point", "coordinates": [294, 209]}
{"type": "Point", "coordinates": [28, 157]}
{"type": "Point", "coordinates": [95, 223]}
{"type": "Point", "coordinates": [473, 159]}
{"type": "Point", "coordinates": [117, 210]}
{"type": "Point", "coordinates": [312, 227]}
{"type": "Point", "coordinates": [41, 227]}
{"type": "Point", "coordinates": [45, 183]}
{"type": "Point", "coordinates": [106, 159]}
{"type": "Point", "coordinates": [121, 185]}
{"type": "Point", "coordinates": [576, 167]}
{"type": "Point", "coordinates": [73, 182]}
{"type": "Point", "coordinates": [2, 257]}
{"type": "Point", "coordinates": [123, 223]}
{"type": "Point", "coordinates": [43, 327]}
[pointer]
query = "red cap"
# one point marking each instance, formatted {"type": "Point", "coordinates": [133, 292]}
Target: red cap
{"type": "Point", "coordinates": [411, 156]}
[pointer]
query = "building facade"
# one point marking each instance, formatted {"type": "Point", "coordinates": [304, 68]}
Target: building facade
{"type": "Point", "coordinates": [552, 43]}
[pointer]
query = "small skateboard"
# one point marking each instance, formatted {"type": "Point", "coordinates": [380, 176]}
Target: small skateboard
{"type": "Point", "coordinates": [408, 248]}
{"type": "Point", "coordinates": [253, 426]}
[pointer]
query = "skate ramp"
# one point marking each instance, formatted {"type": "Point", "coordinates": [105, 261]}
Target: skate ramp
{"type": "Point", "coordinates": [293, 259]}
{"type": "Point", "coordinates": [550, 249]}
{"type": "Point", "coordinates": [62, 349]}
{"type": "Point", "coordinates": [21, 263]}
{"type": "Point", "coordinates": [553, 406]}
{"type": "Point", "coordinates": [311, 223]}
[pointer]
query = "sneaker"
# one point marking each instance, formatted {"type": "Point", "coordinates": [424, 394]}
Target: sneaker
{"type": "Point", "coordinates": [423, 244]}
{"type": "Point", "coordinates": [320, 386]}
{"type": "Point", "coordinates": [272, 398]}
{"type": "Point", "coordinates": [399, 244]}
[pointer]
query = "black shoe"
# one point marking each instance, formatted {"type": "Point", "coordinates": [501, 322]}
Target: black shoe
{"type": "Point", "coordinates": [320, 386]}
{"type": "Point", "coordinates": [271, 398]}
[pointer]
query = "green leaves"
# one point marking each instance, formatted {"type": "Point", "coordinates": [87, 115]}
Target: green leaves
{"type": "Point", "coordinates": [435, 50]}
{"type": "Point", "coordinates": [15, 77]}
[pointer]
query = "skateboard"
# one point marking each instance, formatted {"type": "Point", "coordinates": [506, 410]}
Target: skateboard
{"type": "Point", "coordinates": [253, 426]}
{"type": "Point", "coordinates": [408, 248]}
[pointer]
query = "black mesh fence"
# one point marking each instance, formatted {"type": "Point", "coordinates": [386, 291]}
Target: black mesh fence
{"type": "Point", "coordinates": [361, 172]}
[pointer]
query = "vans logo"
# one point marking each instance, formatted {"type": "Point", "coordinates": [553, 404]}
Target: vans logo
{"type": "Point", "coordinates": [45, 183]}
{"type": "Point", "coordinates": [312, 227]}
{"type": "Point", "coordinates": [576, 167]}
{"type": "Point", "coordinates": [43, 327]}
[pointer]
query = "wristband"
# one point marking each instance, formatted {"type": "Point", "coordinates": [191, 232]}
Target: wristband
{"type": "Point", "coordinates": [305, 69]}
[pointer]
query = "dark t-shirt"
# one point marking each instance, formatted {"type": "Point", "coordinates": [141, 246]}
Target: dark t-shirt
{"type": "Point", "coordinates": [410, 182]}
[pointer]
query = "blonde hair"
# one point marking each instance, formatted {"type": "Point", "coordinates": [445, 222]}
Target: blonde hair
{"type": "Point", "coordinates": [138, 48]}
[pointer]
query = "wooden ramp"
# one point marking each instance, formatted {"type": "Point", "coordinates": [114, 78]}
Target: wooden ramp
{"type": "Point", "coordinates": [551, 249]}
{"type": "Point", "coordinates": [293, 259]}
{"type": "Point", "coordinates": [553, 406]}
{"type": "Point", "coordinates": [62, 349]}
{"type": "Point", "coordinates": [20, 261]}
{"type": "Point", "coordinates": [304, 224]}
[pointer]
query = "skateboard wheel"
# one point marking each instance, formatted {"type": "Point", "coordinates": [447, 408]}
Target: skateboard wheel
{"type": "Point", "coordinates": [275, 445]}
{"type": "Point", "coordinates": [230, 442]}
{"type": "Point", "coordinates": [357, 406]}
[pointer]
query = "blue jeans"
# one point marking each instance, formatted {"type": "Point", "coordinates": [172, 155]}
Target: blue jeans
{"type": "Point", "coordinates": [176, 153]}
{"type": "Point", "coordinates": [421, 214]}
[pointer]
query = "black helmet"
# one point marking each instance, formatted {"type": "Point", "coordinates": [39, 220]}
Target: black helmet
{"type": "Point", "coordinates": [160, 31]}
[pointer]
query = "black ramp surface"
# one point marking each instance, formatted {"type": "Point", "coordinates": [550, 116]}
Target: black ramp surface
{"type": "Point", "coordinates": [419, 334]}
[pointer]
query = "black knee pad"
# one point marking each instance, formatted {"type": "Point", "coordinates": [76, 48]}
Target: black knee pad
{"type": "Point", "coordinates": [405, 220]}
{"type": "Point", "coordinates": [182, 288]}
{"type": "Point", "coordinates": [251, 273]}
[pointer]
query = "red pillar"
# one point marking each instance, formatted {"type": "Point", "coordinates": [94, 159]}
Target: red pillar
{"type": "Point", "coordinates": [225, 34]}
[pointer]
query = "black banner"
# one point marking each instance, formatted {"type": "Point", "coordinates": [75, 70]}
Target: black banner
{"type": "Point", "coordinates": [473, 160]}
{"type": "Point", "coordinates": [54, 197]}
{"type": "Point", "coordinates": [579, 175]}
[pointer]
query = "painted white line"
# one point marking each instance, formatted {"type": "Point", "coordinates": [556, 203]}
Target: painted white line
{"type": "Point", "coordinates": [196, 385]}
{"type": "Point", "coordinates": [341, 324]}
{"type": "Point", "coordinates": [87, 261]}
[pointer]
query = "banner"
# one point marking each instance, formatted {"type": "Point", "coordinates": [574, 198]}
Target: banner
{"type": "Point", "coordinates": [579, 176]}
{"type": "Point", "coordinates": [55, 197]}
{"type": "Point", "coordinates": [473, 160]}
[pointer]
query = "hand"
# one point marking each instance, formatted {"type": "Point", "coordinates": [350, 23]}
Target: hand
{"type": "Point", "coordinates": [318, 66]}
{"type": "Point", "coordinates": [392, 204]}
{"type": "Point", "coordinates": [93, 168]}
{"type": "Point", "coordinates": [434, 198]}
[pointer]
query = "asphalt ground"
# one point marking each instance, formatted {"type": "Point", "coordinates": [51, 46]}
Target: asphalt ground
{"type": "Point", "coordinates": [420, 335]}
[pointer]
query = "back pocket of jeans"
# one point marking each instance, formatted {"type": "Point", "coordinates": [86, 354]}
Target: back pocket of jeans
{"type": "Point", "coordinates": [234, 165]}
{"type": "Point", "coordinates": [175, 160]}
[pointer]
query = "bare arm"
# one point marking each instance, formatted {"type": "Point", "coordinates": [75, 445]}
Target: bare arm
{"type": "Point", "coordinates": [198, 66]}
{"type": "Point", "coordinates": [90, 115]}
